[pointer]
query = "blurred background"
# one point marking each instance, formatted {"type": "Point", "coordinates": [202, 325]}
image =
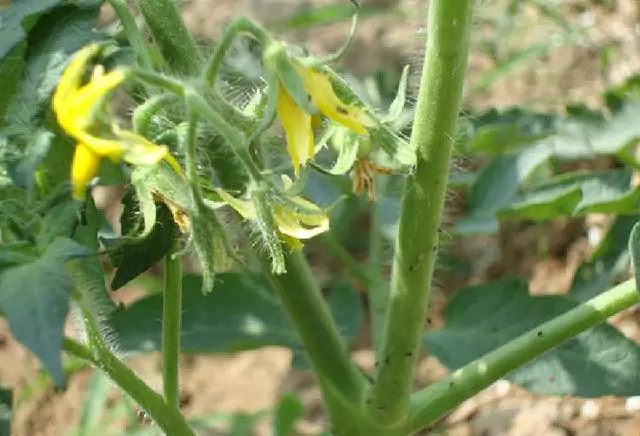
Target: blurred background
{"type": "Point", "coordinates": [536, 55]}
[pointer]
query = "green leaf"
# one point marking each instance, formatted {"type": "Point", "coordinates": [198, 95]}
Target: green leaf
{"type": "Point", "coordinates": [288, 411]}
{"type": "Point", "coordinates": [497, 186]}
{"type": "Point", "coordinates": [496, 132]}
{"type": "Point", "coordinates": [134, 258]}
{"type": "Point", "coordinates": [34, 298]}
{"type": "Point", "coordinates": [52, 41]}
{"type": "Point", "coordinates": [10, 71]}
{"type": "Point", "coordinates": [60, 220]}
{"type": "Point", "coordinates": [600, 361]}
{"type": "Point", "coordinates": [6, 406]}
{"type": "Point", "coordinates": [608, 262]}
{"type": "Point", "coordinates": [634, 249]}
{"type": "Point", "coordinates": [577, 193]}
{"type": "Point", "coordinates": [17, 19]}
{"type": "Point", "coordinates": [242, 313]}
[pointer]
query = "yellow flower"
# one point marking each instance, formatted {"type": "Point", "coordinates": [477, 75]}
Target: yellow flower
{"type": "Point", "coordinates": [293, 225]}
{"type": "Point", "coordinates": [76, 105]}
{"type": "Point", "coordinates": [363, 176]}
{"type": "Point", "coordinates": [298, 124]}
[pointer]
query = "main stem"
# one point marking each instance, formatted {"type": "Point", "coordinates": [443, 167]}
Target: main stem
{"type": "Point", "coordinates": [171, 326]}
{"type": "Point", "coordinates": [173, 38]}
{"type": "Point", "coordinates": [422, 206]}
{"type": "Point", "coordinates": [433, 402]}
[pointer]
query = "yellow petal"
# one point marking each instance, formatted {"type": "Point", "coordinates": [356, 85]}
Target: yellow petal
{"type": "Point", "coordinates": [72, 77]}
{"type": "Point", "coordinates": [297, 128]}
{"type": "Point", "coordinates": [244, 208]}
{"type": "Point", "coordinates": [83, 169]}
{"type": "Point", "coordinates": [319, 87]}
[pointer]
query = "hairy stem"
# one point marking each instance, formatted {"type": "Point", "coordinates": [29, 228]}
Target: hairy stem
{"type": "Point", "coordinates": [143, 56]}
{"type": "Point", "coordinates": [173, 38]}
{"type": "Point", "coordinates": [168, 418]}
{"type": "Point", "coordinates": [422, 206]}
{"type": "Point", "coordinates": [378, 289]}
{"type": "Point", "coordinates": [171, 326]}
{"type": "Point", "coordinates": [433, 402]}
{"type": "Point", "coordinates": [323, 345]}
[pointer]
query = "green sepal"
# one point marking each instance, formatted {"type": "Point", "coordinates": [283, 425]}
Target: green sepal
{"type": "Point", "coordinates": [266, 226]}
{"type": "Point", "coordinates": [276, 57]}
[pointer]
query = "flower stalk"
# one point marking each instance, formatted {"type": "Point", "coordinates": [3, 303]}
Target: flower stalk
{"type": "Point", "coordinates": [422, 207]}
{"type": "Point", "coordinates": [171, 325]}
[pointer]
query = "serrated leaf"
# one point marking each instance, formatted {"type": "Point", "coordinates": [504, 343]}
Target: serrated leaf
{"type": "Point", "coordinates": [243, 313]}
{"type": "Point", "coordinates": [6, 406]}
{"type": "Point", "coordinates": [134, 258]}
{"type": "Point", "coordinates": [288, 410]}
{"type": "Point", "coordinates": [600, 361]}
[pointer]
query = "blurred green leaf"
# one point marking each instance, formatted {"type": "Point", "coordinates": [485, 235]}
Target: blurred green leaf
{"type": "Point", "coordinates": [17, 19]}
{"type": "Point", "coordinates": [52, 41]}
{"type": "Point", "coordinates": [495, 132]}
{"type": "Point", "coordinates": [600, 361]}
{"type": "Point", "coordinates": [10, 71]}
{"type": "Point", "coordinates": [634, 249]}
{"type": "Point", "coordinates": [608, 261]}
{"type": "Point", "coordinates": [243, 313]}
{"type": "Point", "coordinates": [6, 406]}
{"type": "Point", "coordinates": [34, 298]}
{"type": "Point", "coordinates": [288, 410]}
{"type": "Point", "coordinates": [577, 193]}
{"type": "Point", "coordinates": [495, 187]}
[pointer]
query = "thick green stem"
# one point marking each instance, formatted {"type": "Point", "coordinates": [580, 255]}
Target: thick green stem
{"type": "Point", "coordinates": [171, 326]}
{"type": "Point", "coordinates": [173, 38]}
{"type": "Point", "coordinates": [378, 290]}
{"type": "Point", "coordinates": [143, 56]}
{"type": "Point", "coordinates": [431, 403]}
{"type": "Point", "coordinates": [168, 418]}
{"type": "Point", "coordinates": [422, 206]}
{"type": "Point", "coordinates": [323, 345]}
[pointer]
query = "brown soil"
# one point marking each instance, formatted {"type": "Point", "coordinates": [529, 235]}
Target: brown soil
{"type": "Point", "coordinates": [254, 380]}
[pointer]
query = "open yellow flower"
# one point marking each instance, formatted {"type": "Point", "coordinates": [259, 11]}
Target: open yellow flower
{"type": "Point", "coordinates": [293, 225]}
{"type": "Point", "coordinates": [76, 105]}
{"type": "Point", "coordinates": [298, 124]}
